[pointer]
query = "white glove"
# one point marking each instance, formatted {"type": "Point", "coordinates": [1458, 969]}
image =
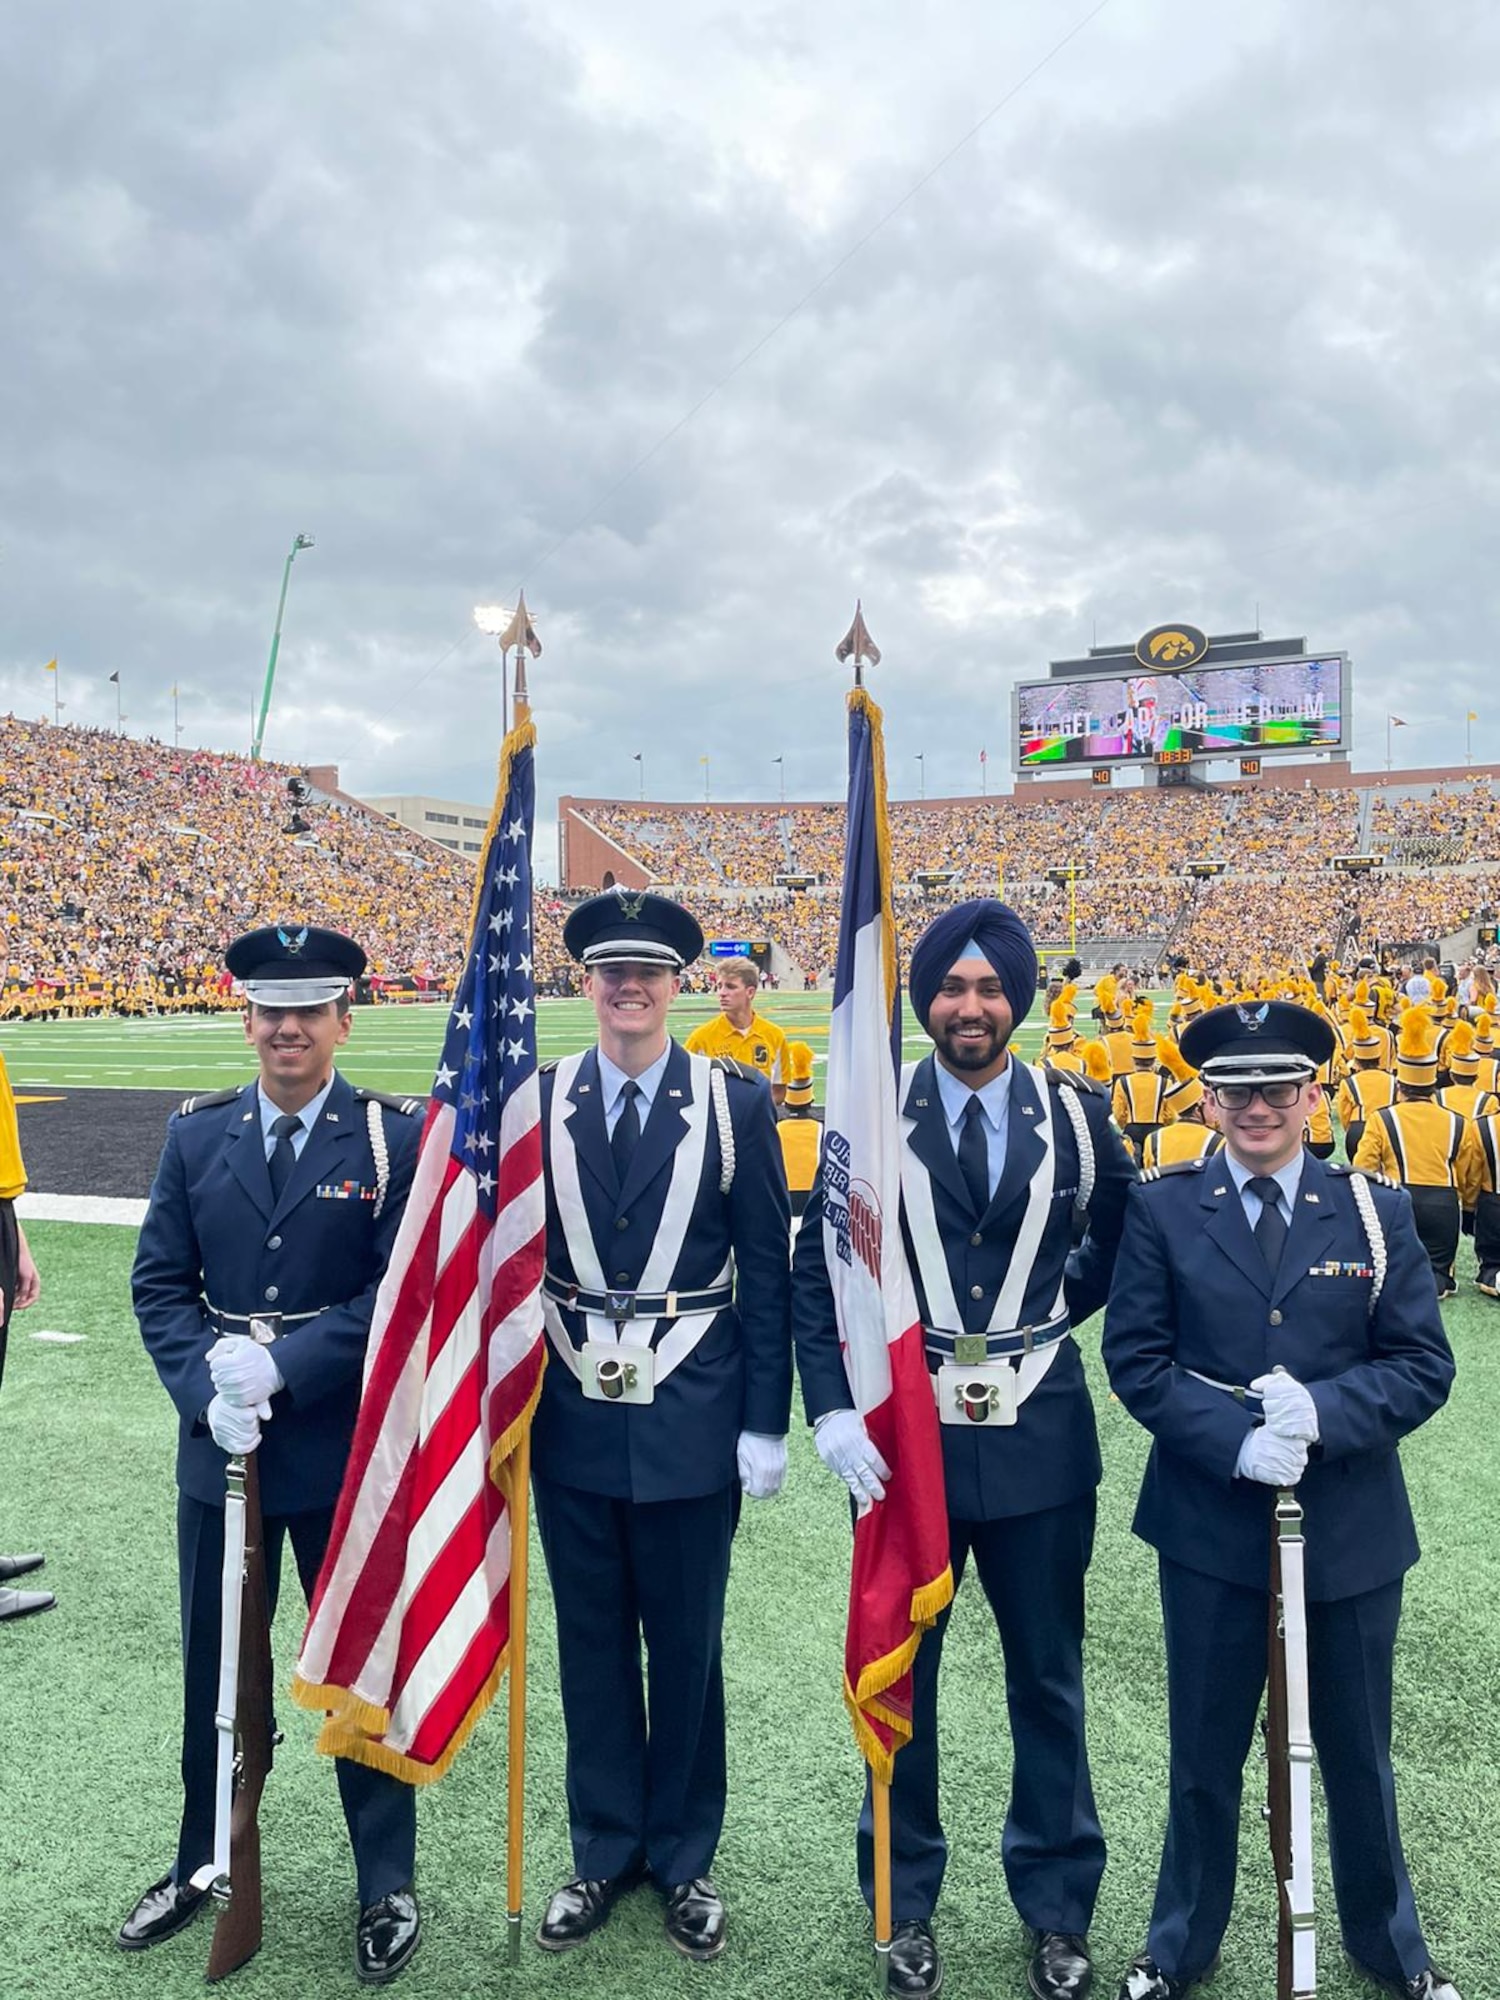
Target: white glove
{"type": "Point", "coordinates": [845, 1447]}
{"type": "Point", "coordinates": [1273, 1460]}
{"type": "Point", "coordinates": [762, 1464]}
{"type": "Point", "coordinates": [234, 1430]}
{"type": "Point", "coordinates": [244, 1373]}
{"type": "Point", "coordinates": [1289, 1409]}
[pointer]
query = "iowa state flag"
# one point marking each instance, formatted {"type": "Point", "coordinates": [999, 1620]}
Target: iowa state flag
{"type": "Point", "coordinates": [901, 1579]}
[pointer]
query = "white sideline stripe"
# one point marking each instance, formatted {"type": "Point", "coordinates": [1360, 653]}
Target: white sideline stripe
{"type": "Point", "coordinates": [126, 1209]}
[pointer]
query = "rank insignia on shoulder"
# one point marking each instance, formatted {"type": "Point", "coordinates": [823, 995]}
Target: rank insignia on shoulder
{"type": "Point", "coordinates": [1072, 1079]}
{"type": "Point", "coordinates": [1180, 1167]}
{"type": "Point", "coordinates": [191, 1104]}
{"type": "Point", "coordinates": [1365, 1174]}
{"type": "Point", "coordinates": [408, 1106]}
{"type": "Point", "coordinates": [731, 1067]}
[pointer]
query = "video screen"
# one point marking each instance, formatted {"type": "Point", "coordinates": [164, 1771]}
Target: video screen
{"type": "Point", "coordinates": [1213, 711]}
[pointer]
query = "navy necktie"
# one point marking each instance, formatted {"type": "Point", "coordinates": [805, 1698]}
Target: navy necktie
{"type": "Point", "coordinates": [1271, 1229]}
{"type": "Point", "coordinates": [974, 1156]}
{"type": "Point", "coordinates": [627, 1133]}
{"type": "Point", "coordinates": [283, 1159]}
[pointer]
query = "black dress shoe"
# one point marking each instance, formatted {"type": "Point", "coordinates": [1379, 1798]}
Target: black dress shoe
{"type": "Point", "coordinates": [1060, 1967]}
{"type": "Point", "coordinates": [915, 1967]}
{"type": "Point", "coordinates": [166, 1908]}
{"type": "Point", "coordinates": [696, 1923]}
{"type": "Point", "coordinates": [1145, 1980]}
{"type": "Point", "coordinates": [579, 1907]}
{"type": "Point", "coordinates": [1428, 1985]}
{"type": "Point", "coordinates": [13, 1566]}
{"type": "Point", "coordinates": [387, 1934]}
{"type": "Point", "coordinates": [21, 1603]}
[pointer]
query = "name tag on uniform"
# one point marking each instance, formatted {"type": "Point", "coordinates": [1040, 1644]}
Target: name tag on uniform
{"type": "Point", "coordinates": [345, 1191]}
{"type": "Point", "coordinates": [979, 1394]}
{"type": "Point", "coordinates": [618, 1374]}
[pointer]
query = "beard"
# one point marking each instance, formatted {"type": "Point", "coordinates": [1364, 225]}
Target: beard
{"type": "Point", "coordinates": [961, 1052]}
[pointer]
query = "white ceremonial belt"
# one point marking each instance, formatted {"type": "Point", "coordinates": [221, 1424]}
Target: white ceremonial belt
{"type": "Point", "coordinates": [970, 1348]}
{"type": "Point", "coordinates": [1235, 1389]}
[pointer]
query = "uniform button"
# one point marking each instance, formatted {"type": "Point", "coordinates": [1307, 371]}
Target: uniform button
{"type": "Point", "coordinates": [272, 1292]}
{"type": "Point", "coordinates": [1275, 1317]}
{"type": "Point", "coordinates": [273, 1242]}
{"type": "Point", "coordinates": [976, 1291]}
{"type": "Point", "coordinates": [622, 1277]}
{"type": "Point", "coordinates": [622, 1222]}
{"type": "Point", "coordinates": [975, 1241]}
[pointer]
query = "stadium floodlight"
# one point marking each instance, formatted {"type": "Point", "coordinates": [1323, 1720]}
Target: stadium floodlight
{"type": "Point", "coordinates": [259, 732]}
{"type": "Point", "coordinates": [492, 618]}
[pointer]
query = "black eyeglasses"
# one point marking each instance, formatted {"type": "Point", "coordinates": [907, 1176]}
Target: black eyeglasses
{"type": "Point", "coordinates": [1280, 1096]}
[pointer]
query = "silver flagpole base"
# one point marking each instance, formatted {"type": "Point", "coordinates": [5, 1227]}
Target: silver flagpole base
{"type": "Point", "coordinates": [513, 1937]}
{"type": "Point", "coordinates": [882, 1979]}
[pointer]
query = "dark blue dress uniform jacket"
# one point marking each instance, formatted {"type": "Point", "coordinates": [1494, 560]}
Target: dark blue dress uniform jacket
{"type": "Point", "coordinates": [214, 1234]}
{"type": "Point", "coordinates": [1051, 1454]}
{"type": "Point", "coordinates": [1192, 1291]}
{"type": "Point", "coordinates": [739, 1376]}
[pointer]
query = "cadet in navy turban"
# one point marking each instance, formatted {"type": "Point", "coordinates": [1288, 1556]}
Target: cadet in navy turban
{"type": "Point", "coordinates": [986, 928]}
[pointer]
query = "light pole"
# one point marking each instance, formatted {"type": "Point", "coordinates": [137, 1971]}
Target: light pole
{"type": "Point", "coordinates": [302, 542]}
{"type": "Point", "coordinates": [921, 774]}
{"type": "Point", "coordinates": [780, 763]}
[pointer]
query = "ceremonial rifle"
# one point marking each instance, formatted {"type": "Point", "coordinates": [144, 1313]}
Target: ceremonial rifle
{"type": "Point", "coordinates": [1289, 1754]}
{"type": "Point", "coordinates": [243, 1719]}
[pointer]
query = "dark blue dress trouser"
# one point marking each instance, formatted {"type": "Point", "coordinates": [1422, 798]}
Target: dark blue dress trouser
{"type": "Point", "coordinates": [1032, 1568]}
{"type": "Point", "coordinates": [380, 1810]}
{"type": "Point", "coordinates": [1216, 1673]}
{"type": "Point", "coordinates": [646, 1766]}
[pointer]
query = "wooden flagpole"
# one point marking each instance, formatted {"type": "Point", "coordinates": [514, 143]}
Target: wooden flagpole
{"type": "Point", "coordinates": [515, 1830]}
{"type": "Point", "coordinates": [881, 1792]}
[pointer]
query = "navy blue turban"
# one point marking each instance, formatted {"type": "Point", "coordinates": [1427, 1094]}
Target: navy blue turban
{"type": "Point", "coordinates": [1001, 937]}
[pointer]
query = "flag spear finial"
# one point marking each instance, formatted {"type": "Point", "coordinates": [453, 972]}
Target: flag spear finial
{"type": "Point", "coordinates": [857, 646]}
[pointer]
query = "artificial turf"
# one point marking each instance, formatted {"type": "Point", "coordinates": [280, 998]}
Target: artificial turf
{"type": "Point", "coordinates": [89, 1698]}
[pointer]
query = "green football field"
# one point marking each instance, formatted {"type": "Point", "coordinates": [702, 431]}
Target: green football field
{"type": "Point", "coordinates": [390, 1048]}
{"type": "Point", "coordinates": [89, 1692]}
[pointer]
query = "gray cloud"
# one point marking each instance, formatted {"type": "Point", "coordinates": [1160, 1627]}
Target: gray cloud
{"type": "Point", "coordinates": [1202, 319]}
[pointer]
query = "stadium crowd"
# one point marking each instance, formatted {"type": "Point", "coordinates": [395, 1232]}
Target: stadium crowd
{"type": "Point", "coordinates": [126, 865]}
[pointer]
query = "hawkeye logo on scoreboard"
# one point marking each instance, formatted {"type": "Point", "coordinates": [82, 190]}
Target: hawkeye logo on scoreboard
{"type": "Point", "coordinates": [1171, 649]}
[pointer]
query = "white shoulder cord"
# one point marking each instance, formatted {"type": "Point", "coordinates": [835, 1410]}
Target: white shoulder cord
{"type": "Point", "coordinates": [1078, 1119]}
{"type": "Point", "coordinates": [382, 1157]}
{"type": "Point", "coordinates": [1364, 1201]}
{"type": "Point", "coordinates": [718, 1090]}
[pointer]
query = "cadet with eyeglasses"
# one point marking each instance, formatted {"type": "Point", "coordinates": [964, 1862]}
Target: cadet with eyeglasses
{"type": "Point", "coordinates": [1273, 1323]}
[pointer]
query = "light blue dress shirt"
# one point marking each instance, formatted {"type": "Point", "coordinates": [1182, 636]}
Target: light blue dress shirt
{"type": "Point", "coordinates": [1288, 1180]}
{"type": "Point", "coordinates": [995, 1099]}
{"type": "Point", "coordinates": [309, 1114]}
{"type": "Point", "coordinates": [612, 1080]}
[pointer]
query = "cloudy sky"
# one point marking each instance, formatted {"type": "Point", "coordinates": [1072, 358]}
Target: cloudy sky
{"type": "Point", "coordinates": [1026, 324]}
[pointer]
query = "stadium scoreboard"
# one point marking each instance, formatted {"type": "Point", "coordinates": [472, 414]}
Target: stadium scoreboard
{"type": "Point", "coordinates": [1179, 698]}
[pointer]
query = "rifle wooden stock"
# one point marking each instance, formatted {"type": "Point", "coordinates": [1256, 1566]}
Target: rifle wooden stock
{"type": "Point", "coordinates": [237, 1930]}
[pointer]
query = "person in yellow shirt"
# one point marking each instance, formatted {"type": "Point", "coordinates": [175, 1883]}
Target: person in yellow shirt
{"type": "Point", "coordinates": [1138, 1101]}
{"type": "Point", "coordinates": [1487, 1207]}
{"type": "Point", "coordinates": [740, 1032]}
{"type": "Point", "coordinates": [1463, 1093]}
{"type": "Point", "coordinates": [1369, 1086]}
{"type": "Point", "coordinates": [1433, 1153]}
{"type": "Point", "coordinates": [20, 1287]}
{"type": "Point", "coordinates": [799, 1128]}
{"type": "Point", "coordinates": [1189, 1136]}
{"type": "Point", "coordinates": [1487, 1049]}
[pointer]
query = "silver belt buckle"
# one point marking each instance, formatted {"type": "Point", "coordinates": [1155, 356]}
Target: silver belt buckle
{"type": "Point", "coordinates": [969, 1348]}
{"type": "Point", "coordinates": [619, 1305]}
{"type": "Point", "coordinates": [265, 1328]}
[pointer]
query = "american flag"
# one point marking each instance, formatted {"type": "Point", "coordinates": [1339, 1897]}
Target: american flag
{"type": "Point", "coordinates": [407, 1637]}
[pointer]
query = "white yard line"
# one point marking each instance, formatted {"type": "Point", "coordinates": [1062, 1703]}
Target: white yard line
{"type": "Point", "coordinates": [127, 1211]}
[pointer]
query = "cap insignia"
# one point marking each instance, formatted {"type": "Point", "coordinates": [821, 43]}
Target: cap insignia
{"type": "Point", "coordinates": [631, 906]}
{"type": "Point", "coordinates": [1252, 1019]}
{"type": "Point", "coordinates": [292, 943]}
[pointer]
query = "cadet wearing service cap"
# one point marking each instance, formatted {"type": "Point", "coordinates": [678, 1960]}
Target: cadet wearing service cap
{"type": "Point", "coordinates": [273, 1215]}
{"type": "Point", "coordinates": [1272, 1321]}
{"type": "Point", "coordinates": [668, 1394]}
{"type": "Point", "coordinates": [997, 1159]}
